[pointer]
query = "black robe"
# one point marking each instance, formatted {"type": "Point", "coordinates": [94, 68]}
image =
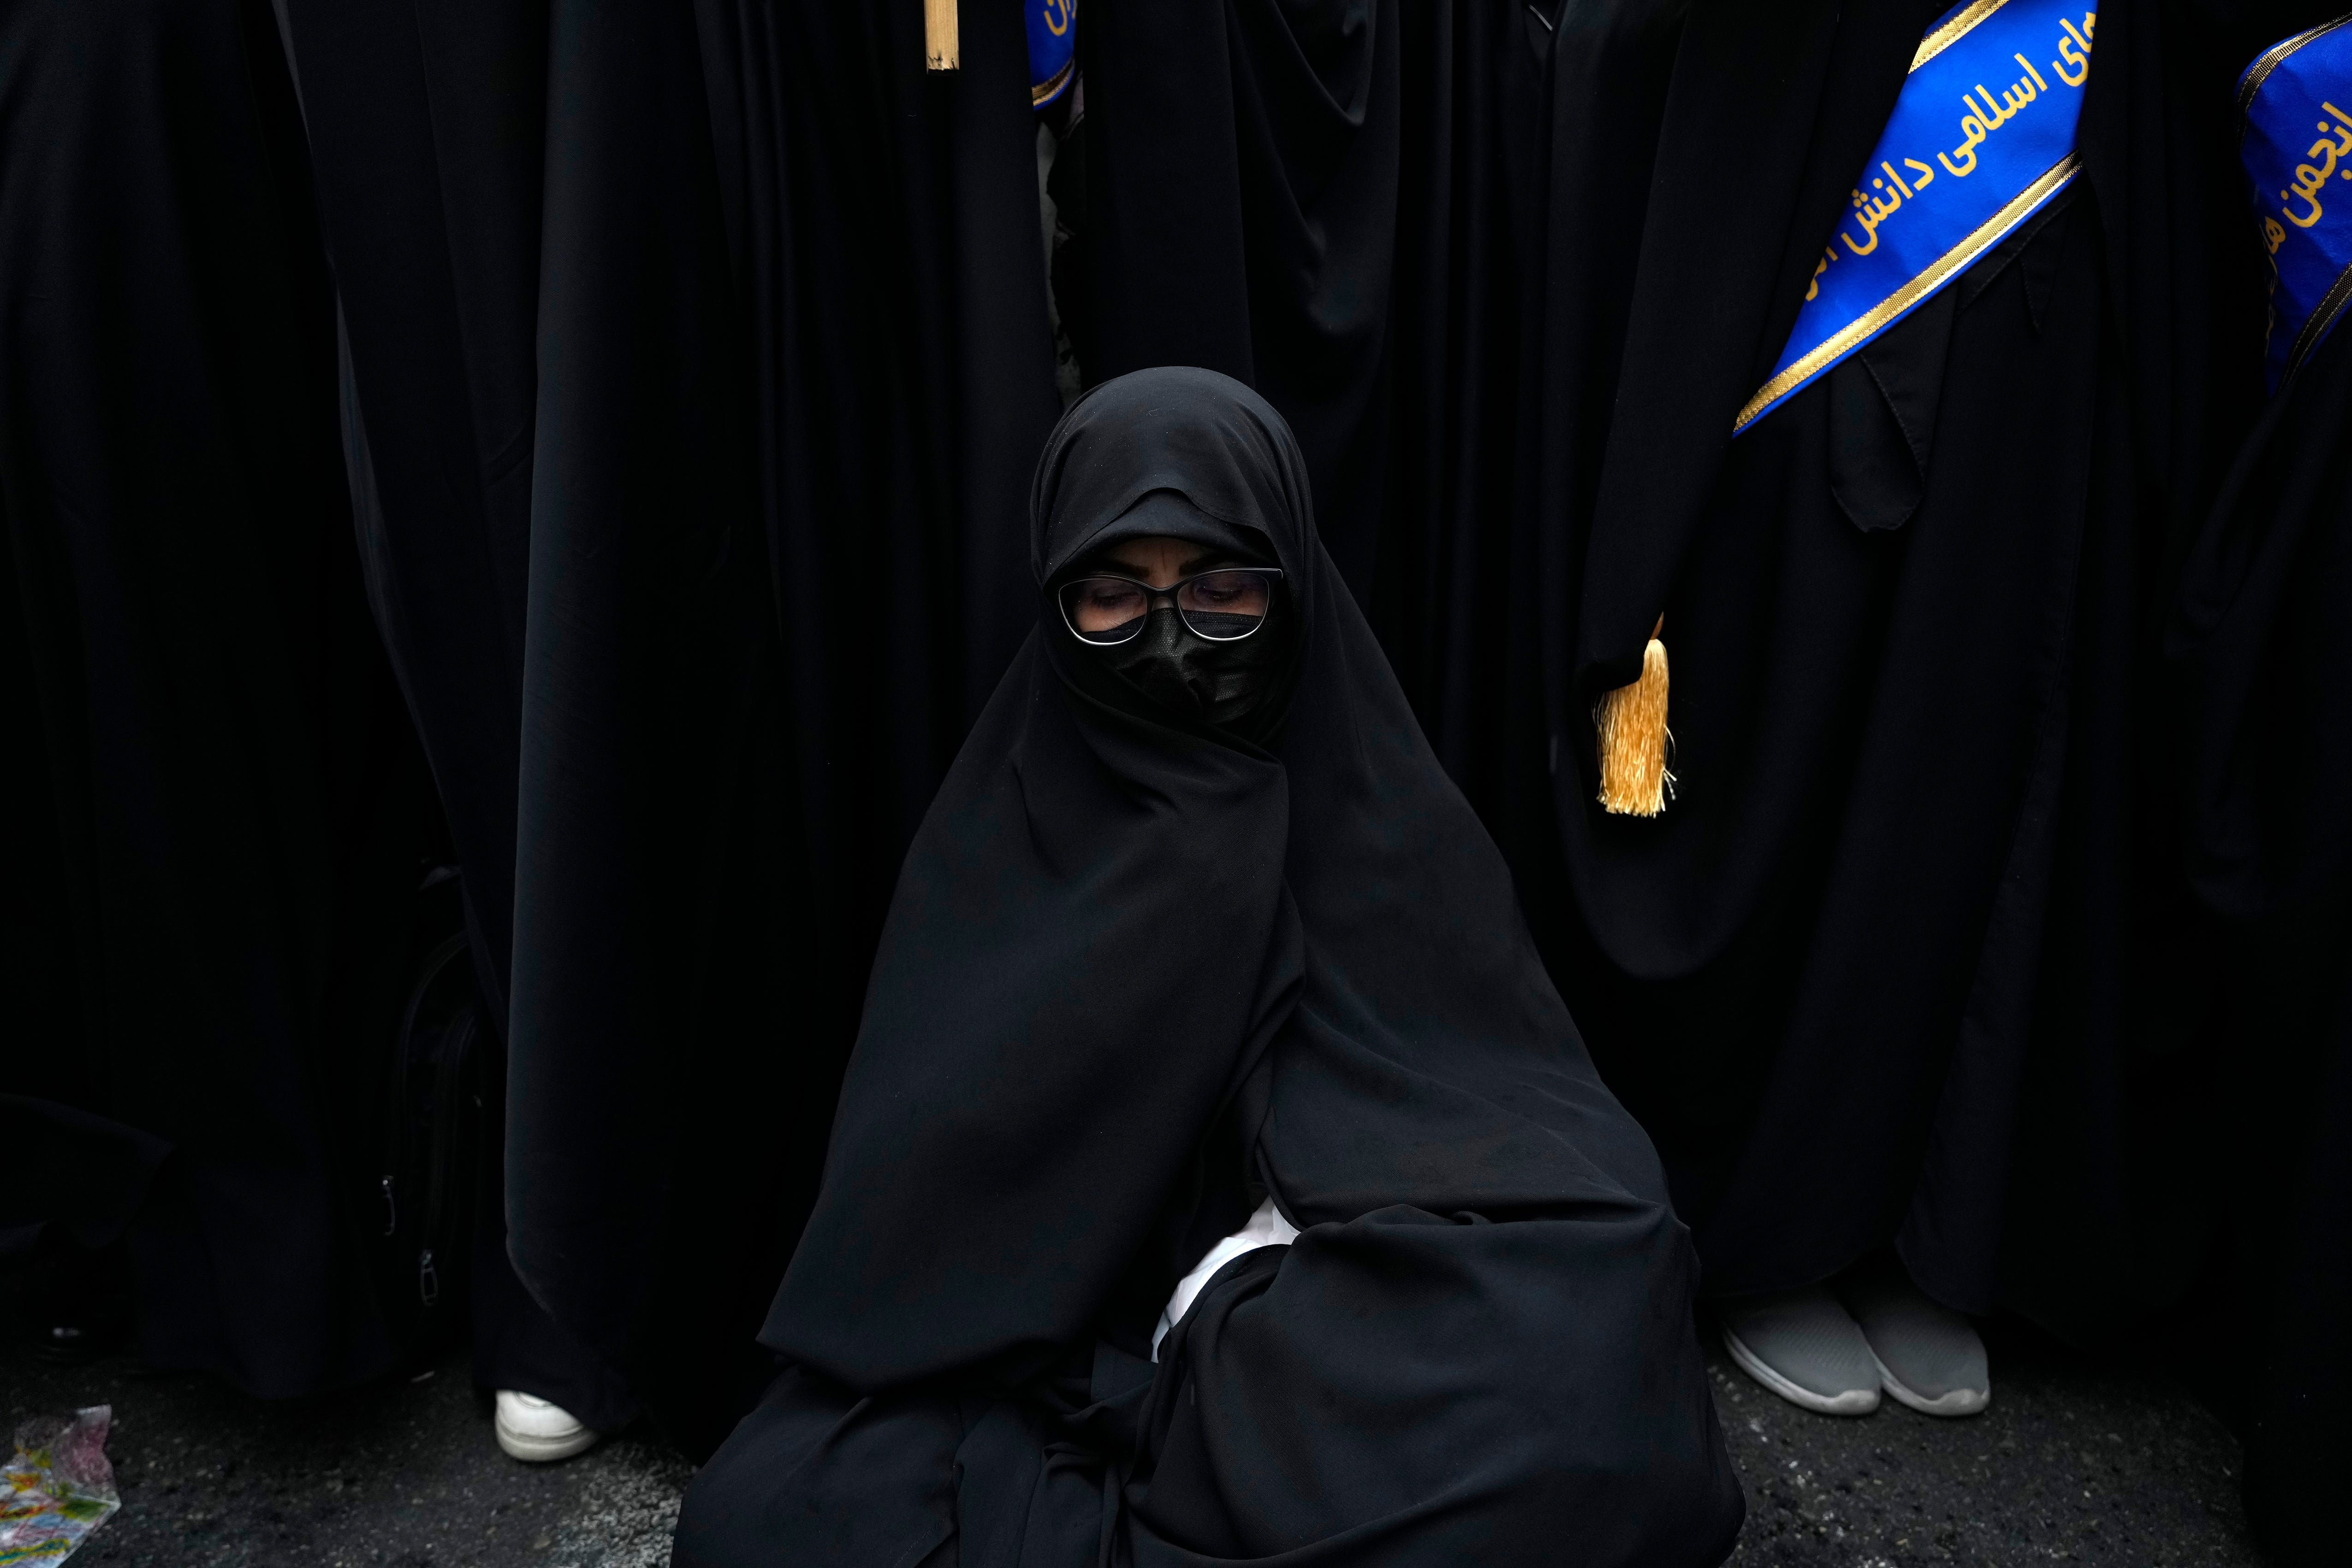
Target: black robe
{"type": "Point", "coordinates": [2263, 641]}
{"type": "Point", "coordinates": [2103, 1226]}
{"type": "Point", "coordinates": [425, 126]}
{"type": "Point", "coordinates": [710, 346]}
{"type": "Point", "coordinates": [1892, 607]}
{"type": "Point", "coordinates": [1138, 972]}
{"type": "Point", "coordinates": [217, 819]}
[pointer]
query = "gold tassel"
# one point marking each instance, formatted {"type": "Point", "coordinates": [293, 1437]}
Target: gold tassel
{"type": "Point", "coordinates": [1633, 737]}
{"type": "Point", "coordinates": [943, 50]}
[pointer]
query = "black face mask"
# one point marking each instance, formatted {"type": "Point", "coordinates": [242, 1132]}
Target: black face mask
{"type": "Point", "coordinates": [1221, 682]}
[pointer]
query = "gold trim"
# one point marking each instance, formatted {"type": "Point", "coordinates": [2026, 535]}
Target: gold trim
{"type": "Point", "coordinates": [1933, 276]}
{"type": "Point", "coordinates": [2316, 326]}
{"type": "Point", "coordinates": [1042, 94]}
{"type": "Point", "coordinates": [1953, 31]}
{"type": "Point", "coordinates": [2269, 59]}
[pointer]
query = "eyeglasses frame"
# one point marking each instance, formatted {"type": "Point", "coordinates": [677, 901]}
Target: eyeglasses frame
{"type": "Point", "coordinates": [1274, 574]}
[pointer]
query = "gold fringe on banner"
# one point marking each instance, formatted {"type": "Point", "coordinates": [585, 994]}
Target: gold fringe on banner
{"type": "Point", "coordinates": [1633, 737]}
{"type": "Point", "coordinates": [943, 50]}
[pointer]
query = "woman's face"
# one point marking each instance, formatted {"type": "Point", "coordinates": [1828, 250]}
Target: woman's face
{"type": "Point", "coordinates": [1221, 675]}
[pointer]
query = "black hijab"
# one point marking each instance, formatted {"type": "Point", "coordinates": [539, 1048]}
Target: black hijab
{"type": "Point", "coordinates": [1117, 919]}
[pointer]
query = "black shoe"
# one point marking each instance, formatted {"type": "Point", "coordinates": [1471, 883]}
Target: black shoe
{"type": "Point", "coordinates": [79, 1344]}
{"type": "Point", "coordinates": [83, 1310]}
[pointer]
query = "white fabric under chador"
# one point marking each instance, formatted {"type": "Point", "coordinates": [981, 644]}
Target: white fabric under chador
{"type": "Point", "coordinates": [1266, 1228]}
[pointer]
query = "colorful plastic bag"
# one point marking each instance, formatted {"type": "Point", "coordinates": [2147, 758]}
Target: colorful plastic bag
{"type": "Point", "coordinates": [57, 1487]}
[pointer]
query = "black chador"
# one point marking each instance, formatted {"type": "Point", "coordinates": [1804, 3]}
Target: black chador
{"type": "Point", "coordinates": [2263, 641]}
{"type": "Point", "coordinates": [793, 369]}
{"type": "Point", "coordinates": [1198, 942]}
{"type": "Point", "coordinates": [2267, 603]}
{"type": "Point", "coordinates": [425, 134]}
{"type": "Point", "coordinates": [216, 822]}
{"type": "Point", "coordinates": [1907, 611]}
{"type": "Point", "coordinates": [701, 355]}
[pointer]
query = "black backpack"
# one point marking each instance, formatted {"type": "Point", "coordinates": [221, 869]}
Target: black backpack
{"type": "Point", "coordinates": [429, 1153]}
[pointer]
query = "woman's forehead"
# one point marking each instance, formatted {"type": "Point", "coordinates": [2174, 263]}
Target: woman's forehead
{"type": "Point", "coordinates": [1143, 546]}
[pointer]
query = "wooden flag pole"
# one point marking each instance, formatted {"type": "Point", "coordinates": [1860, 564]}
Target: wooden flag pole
{"type": "Point", "coordinates": [942, 50]}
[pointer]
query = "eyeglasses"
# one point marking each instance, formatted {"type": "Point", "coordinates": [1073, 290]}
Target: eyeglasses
{"type": "Point", "coordinates": [1222, 606]}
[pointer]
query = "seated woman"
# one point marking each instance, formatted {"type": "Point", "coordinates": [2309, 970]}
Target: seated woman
{"type": "Point", "coordinates": [1199, 942]}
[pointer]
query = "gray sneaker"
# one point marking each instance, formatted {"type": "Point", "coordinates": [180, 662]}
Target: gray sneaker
{"type": "Point", "coordinates": [1802, 1346]}
{"type": "Point", "coordinates": [1927, 1356]}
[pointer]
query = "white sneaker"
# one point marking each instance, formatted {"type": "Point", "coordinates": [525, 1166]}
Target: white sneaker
{"type": "Point", "coordinates": [1802, 1346]}
{"type": "Point", "coordinates": [1927, 1356]}
{"type": "Point", "coordinates": [532, 1429]}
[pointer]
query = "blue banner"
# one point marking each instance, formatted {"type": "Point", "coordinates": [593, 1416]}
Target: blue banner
{"type": "Point", "coordinates": [2288, 93]}
{"type": "Point", "coordinates": [1052, 48]}
{"type": "Point", "coordinates": [1981, 137]}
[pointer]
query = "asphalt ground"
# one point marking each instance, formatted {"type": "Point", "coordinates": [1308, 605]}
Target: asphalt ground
{"type": "Point", "coordinates": [2076, 1461]}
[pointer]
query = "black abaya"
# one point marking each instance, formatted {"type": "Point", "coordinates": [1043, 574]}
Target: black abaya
{"type": "Point", "coordinates": [215, 796]}
{"type": "Point", "coordinates": [829, 264]}
{"type": "Point", "coordinates": [652, 978]}
{"type": "Point", "coordinates": [792, 367]}
{"type": "Point", "coordinates": [899, 378]}
{"type": "Point", "coordinates": [2265, 642]}
{"type": "Point", "coordinates": [1813, 976]}
{"type": "Point", "coordinates": [1138, 970]}
{"type": "Point", "coordinates": [425, 130]}
{"type": "Point", "coordinates": [2103, 1224]}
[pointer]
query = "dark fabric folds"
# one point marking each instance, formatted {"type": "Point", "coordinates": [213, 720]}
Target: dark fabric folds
{"type": "Point", "coordinates": [771, 298]}
{"type": "Point", "coordinates": [2262, 642]}
{"type": "Point", "coordinates": [1137, 969]}
{"type": "Point", "coordinates": [1369, 213]}
{"type": "Point", "coordinates": [1242, 163]}
{"type": "Point", "coordinates": [652, 951]}
{"type": "Point", "coordinates": [217, 817]}
{"type": "Point", "coordinates": [88, 1175]}
{"type": "Point", "coordinates": [1792, 946]}
{"type": "Point", "coordinates": [2267, 657]}
{"type": "Point", "coordinates": [1917, 856]}
{"type": "Point", "coordinates": [884, 239]}
{"type": "Point", "coordinates": [2104, 1224]}
{"type": "Point", "coordinates": [425, 127]}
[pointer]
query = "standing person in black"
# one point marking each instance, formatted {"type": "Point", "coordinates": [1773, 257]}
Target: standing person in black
{"type": "Point", "coordinates": [1909, 589]}
{"type": "Point", "coordinates": [426, 130]}
{"type": "Point", "coordinates": [2263, 640]}
{"type": "Point", "coordinates": [700, 311]}
{"type": "Point", "coordinates": [1218, 1175]}
{"type": "Point", "coordinates": [215, 819]}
